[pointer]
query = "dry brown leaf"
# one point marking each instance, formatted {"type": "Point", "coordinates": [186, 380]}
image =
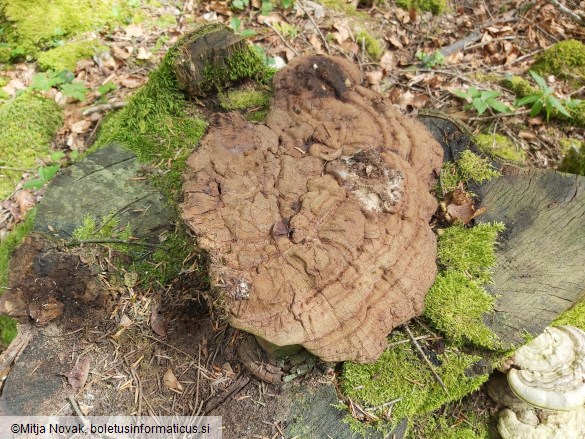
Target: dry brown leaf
{"type": "Point", "coordinates": [131, 81]}
{"type": "Point", "coordinates": [221, 7]}
{"type": "Point", "coordinates": [157, 322]}
{"type": "Point", "coordinates": [526, 135]}
{"type": "Point", "coordinates": [77, 377]}
{"type": "Point", "coordinates": [45, 311]}
{"type": "Point", "coordinates": [388, 62]}
{"type": "Point", "coordinates": [395, 42]}
{"type": "Point", "coordinates": [171, 381]}
{"type": "Point", "coordinates": [120, 53]}
{"type": "Point", "coordinates": [80, 127]}
{"type": "Point", "coordinates": [374, 77]}
{"type": "Point", "coordinates": [134, 31]}
{"type": "Point", "coordinates": [316, 43]}
{"type": "Point", "coordinates": [143, 53]}
{"type": "Point", "coordinates": [343, 32]}
{"type": "Point", "coordinates": [459, 207]}
{"type": "Point", "coordinates": [125, 321]}
{"type": "Point", "coordinates": [25, 200]}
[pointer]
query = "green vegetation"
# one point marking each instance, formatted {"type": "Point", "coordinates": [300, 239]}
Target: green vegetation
{"type": "Point", "coordinates": [27, 123]}
{"type": "Point", "coordinates": [431, 60]}
{"type": "Point", "coordinates": [497, 145]}
{"type": "Point", "coordinates": [400, 373]}
{"type": "Point", "coordinates": [481, 100]}
{"type": "Point", "coordinates": [457, 301]}
{"type": "Point", "coordinates": [109, 227]}
{"type": "Point", "coordinates": [435, 6]}
{"type": "Point", "coordinates": [574, 160]}
{"type": "Point", "coordinates": [7, 247]}
{"type": "Point", "coordinates": [542, 99]}
{"type": "Point", "coordinates": [253, 101]}
{"type": "Point", "coordinates": [371, 45]}
{"type": "Point", "coordinates": [464, 426]}
{"type": "Point", "coordinates": [469, 167]}
{"type": "Point", "coordinates": [574, 316]}
{"type": "Point", "coordinates": [34, 26]}
{"type": "Point", "coordinates": [66, 57]}
{"type": "Point", "coordinates": [565, 59]}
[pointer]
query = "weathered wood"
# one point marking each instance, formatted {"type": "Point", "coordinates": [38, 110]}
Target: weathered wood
{"type": "Point", "coordinates": [540, 270]}
{"type": "Point", "coordinates": [208, 48]}
{"type": "Point", "coordinates": [105, 182]}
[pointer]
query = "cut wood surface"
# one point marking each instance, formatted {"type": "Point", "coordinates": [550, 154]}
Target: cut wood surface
{"type": "Point", "coordinates": [540, 270]}
{"type": "Point", "coordinates": [106, 182]}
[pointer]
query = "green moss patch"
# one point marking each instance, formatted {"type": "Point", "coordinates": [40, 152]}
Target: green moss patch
{"type": "Point", "coordinates": [435, 6]}
{"type": "Point", "coordinates": [500, 146]}
{"type": "Point", "coordinates": [38, 25]}
{"type": "Point", "coordinates": [469, 167]}
{"type": "Point", "coordinates": [243, 99]}
{"type": "Point", "coordinates": [565, 59]}
{"type": "Point", "coordinates": [7, 247]}
{"type": "Point", "coordinates": [66, 57]}
{"type": "Point", "coordinates": [468, 425]}
{"type": "Point", "coordinates": [27, 123]}
{"type": "Point", "coordinates": [574, 316]}
{"type": "Point", "coordinates": [401, 374]}
{"type": "Point", "coordinates": [457, 301]}
{"type": "Point", "coordinates": [574, 160]}
{"type": "Point", "coordinates": [371, 45]}
{"type": "Point", "coordinates": [159, 125]}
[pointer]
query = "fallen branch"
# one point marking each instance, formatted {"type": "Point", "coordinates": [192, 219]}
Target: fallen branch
{"type": "Point", "coordinates": [426, 360]}
{"type": "Point", "coordinates": [112, 241]}
{"type": "Point", "coordinates": [572, 15]}
{"type": "Point", "coordinates": [232, 389]}
{"type": "Point", "coordinates": [104, 107]}
{"type": "Point", "coordinates": [282, 38]}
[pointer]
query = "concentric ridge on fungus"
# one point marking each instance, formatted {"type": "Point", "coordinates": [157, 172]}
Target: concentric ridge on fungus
{"type": "Point", "coordinates": [317, 222]}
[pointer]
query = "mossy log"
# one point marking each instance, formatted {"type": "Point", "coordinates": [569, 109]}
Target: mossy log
{"type": "Point", "coordinates": [203, 59]}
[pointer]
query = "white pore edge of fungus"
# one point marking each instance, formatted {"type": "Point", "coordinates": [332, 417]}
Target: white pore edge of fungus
{"type": "Point", "coordinates": [549, 371]}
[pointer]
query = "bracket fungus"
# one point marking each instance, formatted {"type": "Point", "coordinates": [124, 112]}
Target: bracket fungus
{"type": "Point", "coordinates": [317, 223]}
{"type": "Point", "coordinates": [549, 372]}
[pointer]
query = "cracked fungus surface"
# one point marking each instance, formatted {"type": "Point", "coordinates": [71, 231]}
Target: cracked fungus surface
{"type": "Point", "coordinates": [317, 221]}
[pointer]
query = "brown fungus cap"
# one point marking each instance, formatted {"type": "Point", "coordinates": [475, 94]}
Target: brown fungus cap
{"type": "Point", "coordinates": [317, 222]}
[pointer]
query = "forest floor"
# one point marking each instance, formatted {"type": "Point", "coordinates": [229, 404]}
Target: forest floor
{"type": "Point", "coordinates": [418, 60]}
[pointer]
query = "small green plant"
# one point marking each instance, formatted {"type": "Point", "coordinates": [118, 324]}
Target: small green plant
{"type": "Point", "coordinates": [544, 99]}
{"type": "Point", "coordinates": [481, 100]}
{"type": "Point", "coordinates": [430, 60]}
{"type": "Point", "coordinates": [46, 172]}
{"type": "Point", "coordinates": [236, 25]}
{"type": "Point", "coordinates": [64, 81]}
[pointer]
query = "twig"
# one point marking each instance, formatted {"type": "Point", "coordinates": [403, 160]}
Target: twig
{"type": "Point", "coordinates": [112, 241]}
{"type": "Point", "coordinates": [300, 3]}
{"type": "Point", "coordinates": [572, 15]}
{"type": "Point", "coordinates": [424, 357]}
{"type": "Point", "coordinates": [78, 412]}
{"type": "Point", "coordinates": [232, 389]}
{"type": "Point", "coordinates": [104, 107]}
{"type": "Point", "coordinates": [282, 38]}
{"type": "Point", "coordinates": [9, 168]}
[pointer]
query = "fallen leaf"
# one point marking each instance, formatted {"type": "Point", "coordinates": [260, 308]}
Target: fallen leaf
{"type": "Point", "coordinates": [125, 321]}
{"type": "Point", "coordinates": [221, 7]}
{"type": "Point", "coordinates": [131, 81]}
{"type": "Point", "coordinates": [526, 135]}
{"type": "Point", "coordinates": [459, 207]}
{"type": "Point", "coordinates": [157, 322]}
{"type": "Point", "coordinates": [343, 32]}
{"type": "Point", "coordinates": [77, 377]}
{"type": "Point", "coordinates": [388, 62]}
{"type": "Point", "coordinates": [120, 53]}
{"type": "Point", "coordinates": [80, 127]}
{"type": "Point", "coordinates": [395, 42]}
{"type": "Point", "coordinates": [171, 382]}
{"type": "Point", "coordinates": [143, 53]}
{"type": "Point", "coordinates": [25, 200]}
{"type": "Point", "coordinates": [134, 31]}
{"type": "Point", "coordinates": [374, 77]}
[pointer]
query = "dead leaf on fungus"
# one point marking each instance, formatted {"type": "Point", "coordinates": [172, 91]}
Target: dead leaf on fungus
{"type": "Point", "coordinates": [317, 223]}
{"type": "Point", "coordinates": [458, 206]}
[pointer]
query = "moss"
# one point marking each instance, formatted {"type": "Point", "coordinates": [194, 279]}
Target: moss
{"type": "Point", "coordinates": [457, 301]}
{"type": "Point", "coordinates": [565, 59]}
{"type": "Point", "coordinates": [401, 374]}
{"type": "Point", "coordinates": [66, 57]}
{"type": "Point", "coordinates": [7, 247]}
{"type": "Point", "coordinates": [37, 25]}
{"type": "Point", "coordinates": [574, 316]}
{"type": "Point", "coordinates": [469, 167]}
{"type": "Point", "coordinates": [243, 99]}
{"type": "Point", "coordinates": [500, 146]}
{"type": "Point", "coordinates": [372, 46]}
{"type": "Point", "coordinates": [339, 5]}
{"type": "Point", "coordinates": [435, 6]}
{"type": "Point", "coordinates": [519, 86]}
{"type": "Point", "coordinates": [27, 123]}
{"type": "Point", "coordinates": [159, 125]}
{"type": "Point", "coordinates": [574, 160]}
{"type": "Point", "coordinates": [449, 426]}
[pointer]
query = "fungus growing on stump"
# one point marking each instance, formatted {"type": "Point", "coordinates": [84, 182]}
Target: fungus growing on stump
{"type": "Point", "coordinates": [317, 223]}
